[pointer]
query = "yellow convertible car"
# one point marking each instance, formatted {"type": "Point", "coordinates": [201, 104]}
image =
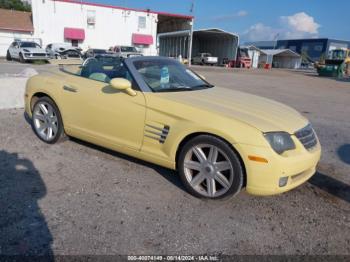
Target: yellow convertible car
{"type": "Point", "coordinates": [153, 108]}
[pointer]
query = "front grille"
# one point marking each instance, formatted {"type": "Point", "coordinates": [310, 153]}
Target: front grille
{"type": "Point", "coordinates": [39, 54]}
{"type": "Point", "coordinates": [307, 137]}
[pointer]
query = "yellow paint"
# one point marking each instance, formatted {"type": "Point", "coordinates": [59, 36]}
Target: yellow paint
{"type": "Point", "coordinates": [124, 122]}
{"type": "Point", "coordinates": [123, 85]}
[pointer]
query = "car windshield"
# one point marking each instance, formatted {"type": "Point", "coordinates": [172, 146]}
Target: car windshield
{"type": "Point", "coordinates": [30, 45]}
{"type": "Point", "coordinates": [166, 75]}
{"type": "Point", "coordinates": [128, 49]}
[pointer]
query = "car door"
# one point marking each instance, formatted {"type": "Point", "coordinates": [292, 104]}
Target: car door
{"type": "Point", "coordinates": [96, 111]}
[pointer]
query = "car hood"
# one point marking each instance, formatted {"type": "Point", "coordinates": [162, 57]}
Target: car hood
{"type": "Point", "coordinates": [34, 50]}
{"type": "Point", "coordinates": [262, 113]}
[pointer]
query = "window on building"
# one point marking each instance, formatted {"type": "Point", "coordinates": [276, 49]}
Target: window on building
{"type": "Point", "coordinates": [304, 48]}
{"type": "Point", "coordinates": [142, 22]}
{"type": "Point", "coordinates": [91, 18]}
{"type": "Point", "coordinates": [293, 48]}
{"type": "Point", "coordinates": [312, 50]}
{"type": "Point", "coordinates": [318, 48]}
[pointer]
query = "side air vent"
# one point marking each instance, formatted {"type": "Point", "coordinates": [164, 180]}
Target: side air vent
{"type": "Point", "coordinates": [157, 133]}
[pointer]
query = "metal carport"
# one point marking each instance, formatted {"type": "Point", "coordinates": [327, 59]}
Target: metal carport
{"type": "Point", "coordinates": [280, 58]}
{"type": "Point", "coordinates": [219, 43]}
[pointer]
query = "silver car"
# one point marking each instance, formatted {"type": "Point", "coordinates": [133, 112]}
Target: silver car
{"type": "Point", "coordinates": [63, 51]}
{"type": "Point", "coordinates": [126, 51]}
{"type": "Point", "coordinates": [26, 50]}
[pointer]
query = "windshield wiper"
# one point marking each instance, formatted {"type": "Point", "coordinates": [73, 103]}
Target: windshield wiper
{"type": "Point", "coordinates": [174, 89]}
{"type": "Point", "coordinates": [203, 85]}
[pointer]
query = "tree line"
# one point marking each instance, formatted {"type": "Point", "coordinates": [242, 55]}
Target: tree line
{"type": "Point", "coordinates": [15, 5]}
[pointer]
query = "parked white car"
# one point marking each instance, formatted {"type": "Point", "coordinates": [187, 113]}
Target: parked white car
{"type": "Point", "coordinates": [205, 59]}
{"type": "Point", "coordinates": [126, 51]}
{"type": "Point", "coordinates": [26, 50]}
{"type": "Point", "coordinates": [63, 51]}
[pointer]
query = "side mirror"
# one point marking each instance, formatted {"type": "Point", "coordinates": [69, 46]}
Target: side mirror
{"type": "Point", "coordinates": [123, 85]}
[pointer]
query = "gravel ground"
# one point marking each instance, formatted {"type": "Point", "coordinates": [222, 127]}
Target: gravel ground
{"type": "Point", "coordinates": [75, 198]}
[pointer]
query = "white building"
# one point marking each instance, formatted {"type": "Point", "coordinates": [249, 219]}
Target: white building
{"type": "Point", "coordinates": [97, 25]}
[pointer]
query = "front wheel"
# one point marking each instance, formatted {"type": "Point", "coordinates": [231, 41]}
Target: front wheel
{"type": "Point", "coordinates": [209, 168]}
{"type": "Point", "coordinates": [46, 121]}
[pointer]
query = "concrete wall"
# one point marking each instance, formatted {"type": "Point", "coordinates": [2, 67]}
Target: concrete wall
{"type": "Point", "coordinates": [12, 92]}
{"type": "Point", "coordinates": [113, 26]}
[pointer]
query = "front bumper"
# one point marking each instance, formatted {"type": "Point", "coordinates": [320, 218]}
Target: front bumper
{"type": "Point", "coordinates": [35, 57]}
{"type": "Point", "coordinates": [297, 165]}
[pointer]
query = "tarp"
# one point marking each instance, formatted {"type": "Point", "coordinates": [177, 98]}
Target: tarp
{"type": "Point", "coordinates": [280, 58]}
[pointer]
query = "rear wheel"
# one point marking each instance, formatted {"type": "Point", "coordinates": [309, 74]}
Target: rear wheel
{"type": "Point", "coordinates": [209, 168]}
{"type": "Point", "coordinates": [46, 121]}
{"type": "Point", "coordinates": [8, 56]}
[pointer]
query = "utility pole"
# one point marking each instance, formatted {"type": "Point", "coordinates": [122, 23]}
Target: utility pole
{"type": "Point", "coordinates": [191, 34]}
{"type": "Point", "coordinates": [275, 40]}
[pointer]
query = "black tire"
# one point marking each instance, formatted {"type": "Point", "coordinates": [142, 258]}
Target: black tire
{"type": "Point", "coordinates": [238, 173]}
{"type": "Point", "coordinates": [21, 58]}
{"type": "Point", "coordinates": [60, 135]}
{"type": "Point", "coordinates": [8, 56]}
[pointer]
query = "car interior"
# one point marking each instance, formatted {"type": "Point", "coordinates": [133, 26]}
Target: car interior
{"type": "Point", "coordinates": [105, 69]}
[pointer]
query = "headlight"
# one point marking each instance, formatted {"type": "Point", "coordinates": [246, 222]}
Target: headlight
{"type": "Point", "coordinates": [26, 50]}
{"type": "Point", "coordinates": [280, 141]}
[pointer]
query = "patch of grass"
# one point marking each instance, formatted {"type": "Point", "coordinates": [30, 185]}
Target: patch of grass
{"type": "Point", "coordinates": [39, 62]}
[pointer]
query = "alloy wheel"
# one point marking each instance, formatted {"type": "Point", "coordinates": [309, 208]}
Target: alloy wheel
{"type": "Point", "coordinates": [208, 170]}
{"type": "Point", "coordinates": [45, 121]}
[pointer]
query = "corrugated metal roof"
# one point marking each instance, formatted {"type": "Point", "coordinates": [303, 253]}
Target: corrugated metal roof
{"type": "Point", "coordinates": [12, 20]}
{"type": "Point", "coordinates": [215, 30]}
{"type": "Point", "coordinates": [272, 52]}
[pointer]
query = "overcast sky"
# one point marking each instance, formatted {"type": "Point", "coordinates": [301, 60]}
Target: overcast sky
{"type": "Point", "coordinates": [260, 19]}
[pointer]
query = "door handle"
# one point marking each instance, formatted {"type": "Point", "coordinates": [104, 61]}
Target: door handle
{"type": "Point", "coordinates": [70, 89]}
